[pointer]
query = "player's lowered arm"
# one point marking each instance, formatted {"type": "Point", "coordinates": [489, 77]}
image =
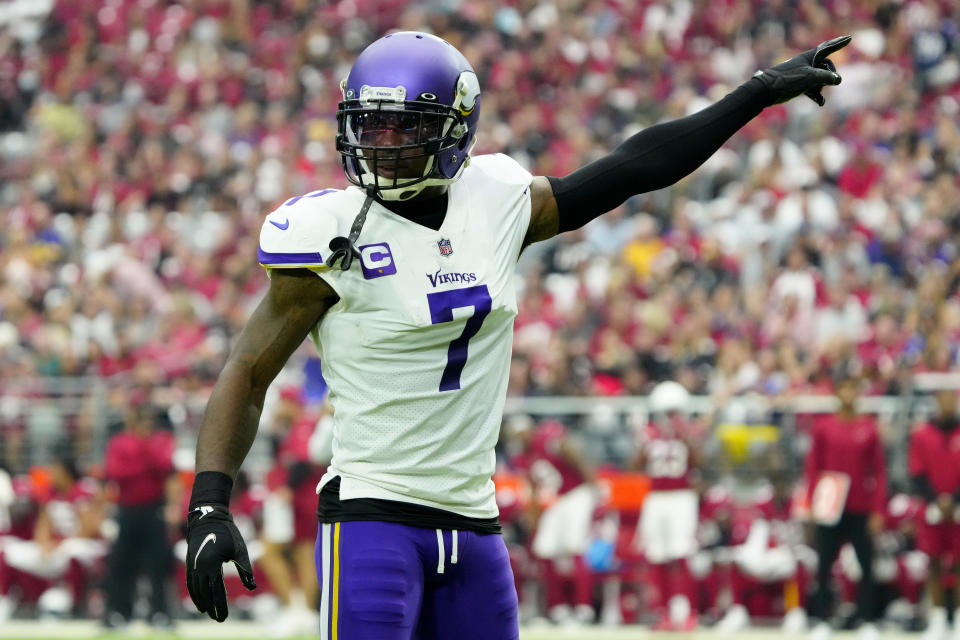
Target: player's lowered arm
{"type": "Point", "coordinates": [296, 301]}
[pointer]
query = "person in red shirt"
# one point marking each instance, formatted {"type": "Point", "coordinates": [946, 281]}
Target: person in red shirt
{"type": "Point", "coordinates": [934, 465]}
{"type": "Point", "coordinates": [666, 532]}
{"type": "Point", "coordinates": [139, 465]}
{"type": "Point", "coordinates": [847, 490]}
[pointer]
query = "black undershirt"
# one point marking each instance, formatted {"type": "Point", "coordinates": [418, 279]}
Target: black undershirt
{"type": "Point", "coordinates": [331, 509]}
{"type": "Point", "coordinates": [427, 210]}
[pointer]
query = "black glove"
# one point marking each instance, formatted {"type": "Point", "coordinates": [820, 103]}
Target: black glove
{"type": "Point", "coordinates": [806, 73]}
{"type": "Point", "coordinates": [212, 539]}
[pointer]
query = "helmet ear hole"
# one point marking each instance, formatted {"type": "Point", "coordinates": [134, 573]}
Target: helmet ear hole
{"type": "Point", "coordinates": [462, 143]}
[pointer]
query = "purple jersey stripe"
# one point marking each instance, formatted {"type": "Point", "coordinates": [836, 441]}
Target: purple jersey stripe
{"type": "Point", "coordinates": [268, 258]}
{"type": "Point", "coordinates": [315, 194]}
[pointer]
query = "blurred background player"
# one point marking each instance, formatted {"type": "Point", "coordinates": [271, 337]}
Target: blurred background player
{"type": "Point", "coordinates": [847, 487]}
{"type": "Point", "coordinates": [667, 530]}
{"type": "Point", "coordinates": [934, 465]}
{"type": "Point", "coordinates": [54, 568]}
{"type": "Point", "coordinates": [562, 480]}
{"type": "Point", "coordinates": [519, 511]}
{"type": "Point", "coordinates": [769, 567]}
{"type": "Point", "coordinates": [139, 466]}
{"type": "Point", "coordinates": [289, 515]}
{"type": "Point", "coordinates": [900, 570]}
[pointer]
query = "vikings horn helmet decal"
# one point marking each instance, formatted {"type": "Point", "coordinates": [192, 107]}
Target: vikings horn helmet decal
{"type": "Point", "coordinates": [409, 115]}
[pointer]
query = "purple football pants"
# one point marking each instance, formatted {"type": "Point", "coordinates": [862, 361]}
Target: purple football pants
{"type": "Point", "coordinates": [387, 581]}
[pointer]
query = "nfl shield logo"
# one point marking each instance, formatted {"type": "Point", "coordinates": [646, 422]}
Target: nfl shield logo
{"type": "Point", "coordinates": [446, 249]}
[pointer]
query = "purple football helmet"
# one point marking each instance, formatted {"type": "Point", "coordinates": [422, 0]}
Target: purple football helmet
{"type": "Point", "coordinates": [409, 115]}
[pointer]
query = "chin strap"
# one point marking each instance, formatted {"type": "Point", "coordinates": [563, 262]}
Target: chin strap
{"type": "Point", "coordinates": [345, 249]}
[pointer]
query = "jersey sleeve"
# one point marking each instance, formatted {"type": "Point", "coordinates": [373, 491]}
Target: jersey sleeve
{"type": "Point", "coordinates": [507, 182]}
{"type": "Point", "coordinates": [298, 233]}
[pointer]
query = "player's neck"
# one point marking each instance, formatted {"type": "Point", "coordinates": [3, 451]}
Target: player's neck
{"type": "Point", "coordinates": [428, 209]}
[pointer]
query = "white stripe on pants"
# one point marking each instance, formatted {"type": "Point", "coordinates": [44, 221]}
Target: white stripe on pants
{"type": "Point", "coordinates": [325, 585]}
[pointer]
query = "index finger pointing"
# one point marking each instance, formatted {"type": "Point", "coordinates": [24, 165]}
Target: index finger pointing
{"type": "Point", "coordinates": [824, 49]}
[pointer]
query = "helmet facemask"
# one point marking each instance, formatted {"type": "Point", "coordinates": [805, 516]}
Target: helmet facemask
{"type": "Point", "coordinates": [395, 144]}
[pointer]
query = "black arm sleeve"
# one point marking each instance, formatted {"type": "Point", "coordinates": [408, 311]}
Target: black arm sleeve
{"type": "Point", "coordinates": [654, 158]}
{"type": "Point", "coordinates": [922, 487]}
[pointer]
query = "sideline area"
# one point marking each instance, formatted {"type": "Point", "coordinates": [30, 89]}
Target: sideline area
{"type": "Point", "coordinates": [24, 630]}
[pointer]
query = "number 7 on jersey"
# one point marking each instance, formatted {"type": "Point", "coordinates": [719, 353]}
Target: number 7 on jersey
{"type": "Point", "coordinates": [442, 304]}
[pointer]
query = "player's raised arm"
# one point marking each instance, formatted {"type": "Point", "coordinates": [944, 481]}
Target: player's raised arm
{"type": "Point", "coordinates": [295, 303]}
{"type": "Point", "coordinates": [664, 153]}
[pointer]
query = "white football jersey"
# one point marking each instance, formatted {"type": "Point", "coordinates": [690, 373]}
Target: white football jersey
{"type": "Point", "coordinates": [417, 351]}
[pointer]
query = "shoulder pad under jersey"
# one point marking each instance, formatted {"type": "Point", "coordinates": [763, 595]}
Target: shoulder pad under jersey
{"type": "Point", "coordinates": [501, 168]}
{"type": "Point", "coordinates": [298, 232]}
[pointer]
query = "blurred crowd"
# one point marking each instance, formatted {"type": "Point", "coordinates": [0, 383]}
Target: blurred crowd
{"type": "Point", "coordinates": [142, 142]}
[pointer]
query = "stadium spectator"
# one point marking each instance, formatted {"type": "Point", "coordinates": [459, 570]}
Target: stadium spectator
{"type": "Point", "coordinates": [139, 464]}
{"type": "Point", "coordinates": [149, 211]}
{"type": "Point", "coordinates": [165, 189]}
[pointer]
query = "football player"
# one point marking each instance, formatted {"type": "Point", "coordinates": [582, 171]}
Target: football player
{"type": "Point", "coordinates": [404, 281]}
{"type": "Point", "coordinates": [667, 530]}
{"type": "Point", "coordinates": [900, 570]}
{"type": "Point", "coordinates": [66, 545]}
{"type": "Point", "coordinates": [768, 565]}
